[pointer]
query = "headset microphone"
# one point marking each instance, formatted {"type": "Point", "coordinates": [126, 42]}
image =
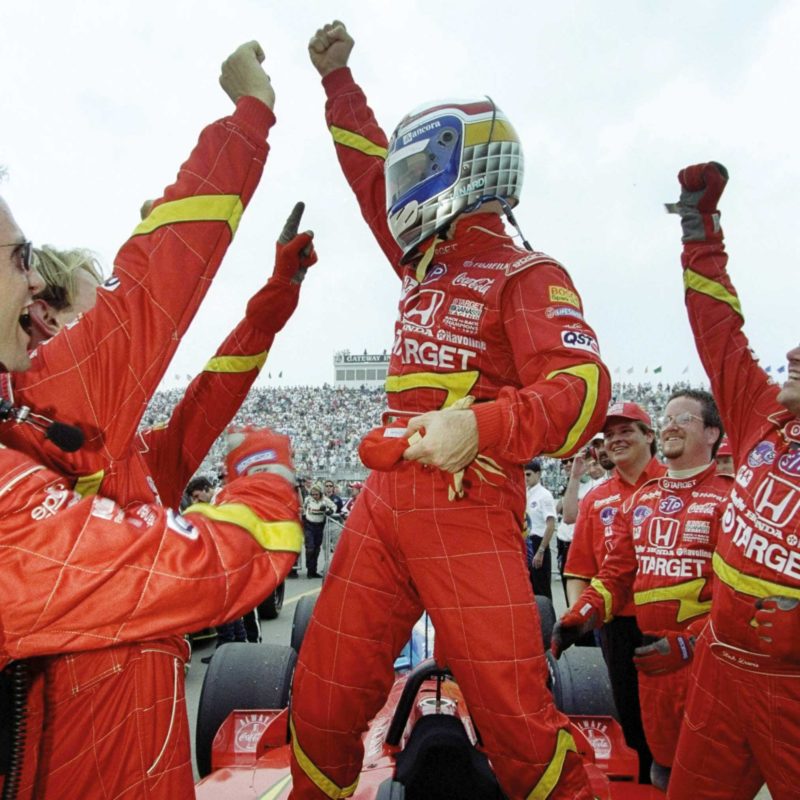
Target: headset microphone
{"type": "Point", "coordinates": [65, 437]}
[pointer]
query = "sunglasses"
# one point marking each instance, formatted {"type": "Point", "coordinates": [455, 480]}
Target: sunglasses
{"type": "Point", "coordinates": [24, 252]}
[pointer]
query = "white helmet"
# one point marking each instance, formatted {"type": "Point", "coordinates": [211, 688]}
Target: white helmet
{"type": "Point", "coordinates": [446, 158]}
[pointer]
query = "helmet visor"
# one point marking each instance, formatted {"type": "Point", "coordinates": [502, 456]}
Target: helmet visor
{"type": "Point", "coordinates": [421, 163]}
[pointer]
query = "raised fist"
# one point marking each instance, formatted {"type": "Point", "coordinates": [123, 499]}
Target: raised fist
{"type": "Point", "coordinates": [701, 187]}
{"type": "Point", "coordinates": [329, 48]}
{"type": "Point", "coordinates": [243, 76]}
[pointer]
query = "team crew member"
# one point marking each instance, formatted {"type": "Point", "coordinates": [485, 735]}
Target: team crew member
{"type": "Point", "coordinates": [630, 444]}
{"type": "Point", "coordinates": [480, 318]}
{"type": "Point", "coordinates": [172, 452]}
{"type": "Point", "coordinates": [61, 592]}
{"type": "Point", "coordinates": [541, 510]}
{"type": "Point", "coordinates": [161, 275]}
{"type": "Point", "coordinates": [661, 555]}
{"type": "Point", "coordinates": [743, 709]}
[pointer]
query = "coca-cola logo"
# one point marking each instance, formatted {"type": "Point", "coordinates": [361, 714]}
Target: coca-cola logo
{"type": "Point", "coordinates": [248, 732]}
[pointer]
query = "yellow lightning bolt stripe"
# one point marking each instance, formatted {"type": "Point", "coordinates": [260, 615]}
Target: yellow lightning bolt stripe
{"type": "Point", "coordinates": [750, 584]}
{"type": "Point", "coordinates": [549, 780]}
{"type": "Point", "coordinates": [235, 363]}
{"type": "Point", "coordinates": [285, 535]}
{"type": "Point", "coordinates": [357, 142]}
{"type": "Point", "coordinates": [274, 791]}
{"type": "Point", "coordinates": [200, 208]}
{"type": "Point", "coordinates": [590, 374]}
{"type": "Point", "coordinates": [699, 283]}
{"type": "Point", "coordinates": [687, 594]}
{"type": "Point", "coordinates": [88, 485]}
{"type": "Point", "coordinates": [315, 775]}
{"type": "Point", "coordinates": [456, 384]}
{"type": "Point", "coordinates": [608, 601]}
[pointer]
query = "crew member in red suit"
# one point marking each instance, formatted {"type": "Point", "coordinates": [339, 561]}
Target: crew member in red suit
{"type": "Point", "coordinates": [629, 441]}
{"type": "Point", "coordinates": [438, 523]}
{"type": "Point", "coordinates": [98, 375]}
{"type": "Point", "coordinates": [742, 724]}
{"type": "Point", "coordinates": [82, 575]}
{"type": "Point", "coordinates": [173, 451]}
{"type": "Point", "coordinates": [662, 543]}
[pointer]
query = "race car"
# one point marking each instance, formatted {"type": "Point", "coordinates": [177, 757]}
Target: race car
{"type": "Point", "coordinates": [423, 745]}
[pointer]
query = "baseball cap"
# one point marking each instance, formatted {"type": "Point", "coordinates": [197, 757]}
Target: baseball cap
{"type": "Point", "coordinates": [356, 485]}
{"type": "Point", "coordinates": [628, 411]}
{"type": "Point", "coordinates": [534, 466]}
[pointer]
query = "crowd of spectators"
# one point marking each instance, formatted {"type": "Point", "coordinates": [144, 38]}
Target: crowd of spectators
{"type": "Point", "coordinates": [326, 424]}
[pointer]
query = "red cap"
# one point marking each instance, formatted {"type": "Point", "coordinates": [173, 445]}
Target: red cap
{"type": "Point", "coordinates": [628, 411]}
{"type": "Point", "coordinates": [356, 485]}
{"type": "Point", "coordinates": [258, 447]}
{"type": "Point", "coordinates": [725, 448]}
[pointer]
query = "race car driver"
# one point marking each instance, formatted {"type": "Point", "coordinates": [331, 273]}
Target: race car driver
{"type": "Point", "coordinates": [432, 528]}
{"type": "Point", "coordinates": [661, 550]}
{"type": "Point", "coordinates": [629, 441]}
{"type": "Point", "coordinates": [742, 724]}
{"type": "Point", "coordinates": [99, 375]}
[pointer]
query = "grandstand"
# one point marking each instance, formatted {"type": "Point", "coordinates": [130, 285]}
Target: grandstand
{"type": "Point", "coordinates": [326, 423]}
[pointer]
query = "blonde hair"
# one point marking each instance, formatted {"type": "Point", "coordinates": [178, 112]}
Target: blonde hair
{"type": "Point", "coordinates": [59, 269]}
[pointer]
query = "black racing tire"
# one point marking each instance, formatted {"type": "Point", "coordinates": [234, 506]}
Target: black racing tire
{"type": "Point", "coordinates": [271, 606]}
{"type": "Point", "coordinates": [302, 616]}
{"type": "Point", "coordinates": [547, 619]}
{"type": "Point", "coordinates": [244, 676]}
{"type": "Point", "coordinates": [579, 682]}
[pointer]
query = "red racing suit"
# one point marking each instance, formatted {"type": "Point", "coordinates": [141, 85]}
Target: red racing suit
{"type": "Point", "coordinates": [661, 555]}
{"type": "Point", "coordinates": [743, 708]}
{"type": "Point", "coordinates": [81, 576]}
{"type": "Point", "coordinates": [175, 450]}
{"type": "Point", "coordinates": [503, 325]}
{"type": "Point", "coordinates": [99, 374]}
{"type": "Point", "coordinates": [620, 637]}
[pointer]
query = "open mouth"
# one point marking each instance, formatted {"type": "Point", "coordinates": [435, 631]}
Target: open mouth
{"type": "Point", "coordinates": [25, 321]}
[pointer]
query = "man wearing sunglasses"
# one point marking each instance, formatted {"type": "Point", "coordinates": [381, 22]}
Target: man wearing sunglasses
{"type": "Point", "coordinates": [19, 284]}
{"type": "Point", "coordinates": [662, 544]}
{"type": "Point", "coordinates": [98, 375]}
{"type": "Point", "coordinates": [743, 707]}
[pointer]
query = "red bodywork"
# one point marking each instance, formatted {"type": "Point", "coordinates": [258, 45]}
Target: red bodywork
{"type": "Point", "coordinates": [250, 755]}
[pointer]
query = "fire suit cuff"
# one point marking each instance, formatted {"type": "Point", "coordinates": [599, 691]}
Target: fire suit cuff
{"type": "Point", "coordinates": [338, 81]}
{"type": "Point", "coordinates": [254, 115]}
{"type": "Point", "coordinates": [490, 419]}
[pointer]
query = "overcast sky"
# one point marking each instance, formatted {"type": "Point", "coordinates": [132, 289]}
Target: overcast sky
{"type": "Point", "coordinates": [101, 101]}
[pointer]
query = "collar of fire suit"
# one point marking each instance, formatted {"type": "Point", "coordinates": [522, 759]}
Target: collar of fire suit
{"type": "Point", "coordinates": [680, 474]}
{"type": "Point", "coordinates": [468, 229]}
{"type": "Point", "coordinates": [654, 469]}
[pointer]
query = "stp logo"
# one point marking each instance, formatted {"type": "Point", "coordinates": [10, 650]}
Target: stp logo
{"type": "Point", "coordinates": [434, 273]}
{"type": "Point", "coordinates": [790, 463]}
{"type": "Point", "coordinates": [670, 505]}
